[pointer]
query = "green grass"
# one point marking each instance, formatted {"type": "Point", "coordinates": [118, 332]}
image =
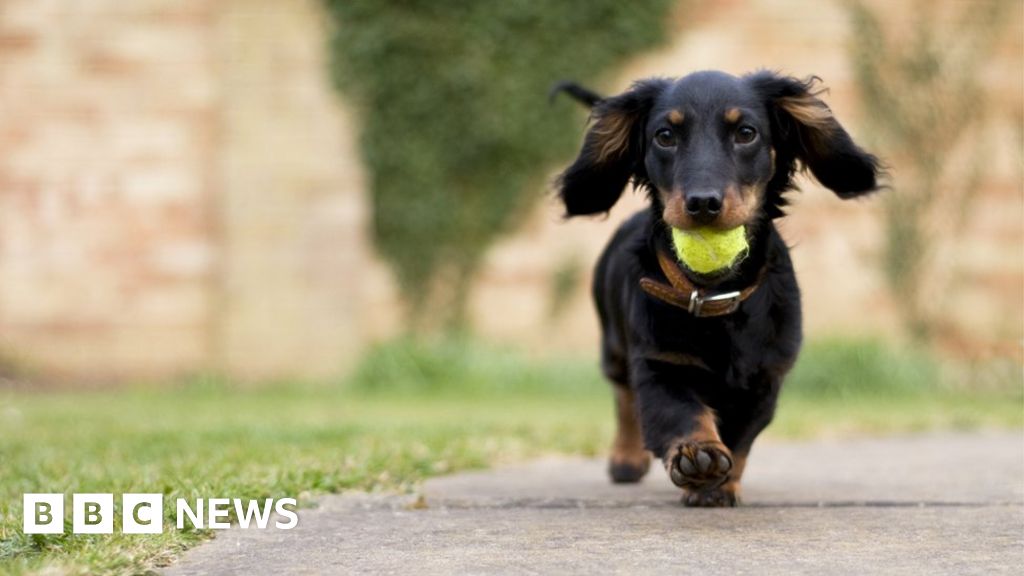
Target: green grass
{"type": "Point", "coordinates": [410, 411]}
{"type": "Point", "coordinates": [842, 387]}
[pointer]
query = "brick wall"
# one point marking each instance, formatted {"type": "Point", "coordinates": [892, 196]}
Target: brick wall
{"type": "Point", "coordinates": [178, 191]}
{"type": "Point", "coordinates": [291, 196]}
{"type": "Point", "coordinates": [181, 191]}
{"type": "Point", "coordinates": [108, 113]}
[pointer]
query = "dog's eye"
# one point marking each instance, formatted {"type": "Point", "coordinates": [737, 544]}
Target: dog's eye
{"type": "Point", "coordinates": [665, 138]}
{"type": "Point", "coordinates": [745, 135]}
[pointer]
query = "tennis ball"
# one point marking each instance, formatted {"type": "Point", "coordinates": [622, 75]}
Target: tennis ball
{"type": "Point", "coordinates": [706, 251]}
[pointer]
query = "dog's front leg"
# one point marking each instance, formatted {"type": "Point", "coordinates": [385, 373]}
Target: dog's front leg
{"type": "Point", "coordinates": [682, 431]}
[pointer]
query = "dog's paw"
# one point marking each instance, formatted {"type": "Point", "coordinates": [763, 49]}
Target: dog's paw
{"type": "Point", "coordinates": [722, 497]}
{"type": "Point", "coordinates": [625, 470]}
{"type": "Point", "coordinates": [699, 466]}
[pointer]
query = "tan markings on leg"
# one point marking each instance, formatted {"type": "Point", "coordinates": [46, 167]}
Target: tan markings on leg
{"type": "Point", "coordinates": [702, 437]}
{"type": "Point", "coordinates": [628, 447]}
{"type": "Point", "coordinates": [676, 117]}
{"type": "Point", "coordinates": [739, 463]}
{"type": "Point", "coordinates": [732, 115]}
{"type": "Point", "coordinates": [702, 466]}
{"type": "Point", "coordinates": [706, 427]}
{"type": "Point", "coordinates": [732, 485]}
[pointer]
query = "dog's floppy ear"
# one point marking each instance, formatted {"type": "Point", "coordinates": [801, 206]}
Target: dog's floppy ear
{"type": "Point", "coordinates": [613, 151]}
{"type": "Point", "coordinates": [804, 127]}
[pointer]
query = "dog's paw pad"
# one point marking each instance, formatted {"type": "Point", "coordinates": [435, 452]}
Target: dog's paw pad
{"type": "Point", "coordinates": [699, 466]}
{"type": "Point", "coordinates": [715, 498]}
{"type": "Point", "coordinates": [628, 468]}
{"type": "Point", "coordinates": [626, 473]}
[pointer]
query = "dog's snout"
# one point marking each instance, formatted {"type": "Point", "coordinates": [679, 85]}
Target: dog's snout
{"type": "Point", "coordinates": [703, 205]}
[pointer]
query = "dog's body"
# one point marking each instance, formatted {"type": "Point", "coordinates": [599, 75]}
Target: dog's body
{"type": "Point", "coordinates": [695, 386]}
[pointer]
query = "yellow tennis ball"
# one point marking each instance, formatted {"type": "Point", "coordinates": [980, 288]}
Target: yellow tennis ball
{"type": "Point", "coordinates": [706, 251]}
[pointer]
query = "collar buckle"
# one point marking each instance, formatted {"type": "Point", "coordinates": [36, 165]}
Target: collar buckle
{"type": "Point", "coordinates": [731, 299]}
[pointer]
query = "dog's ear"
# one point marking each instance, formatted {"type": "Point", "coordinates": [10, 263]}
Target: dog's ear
{"type": "Point", "coordinates": [613, 151]}
{"type": "Point", "coordinates": [804, 128]}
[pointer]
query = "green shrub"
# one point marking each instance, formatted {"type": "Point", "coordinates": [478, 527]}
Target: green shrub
{"type": "Point", "coordinates": [456, 128]}
{"type": "Point", "coordinates": [833, 369]}
{"type": "Point", "coordinates": [844, 368]}
{"type": "Point", "coordinates": [464, 367]}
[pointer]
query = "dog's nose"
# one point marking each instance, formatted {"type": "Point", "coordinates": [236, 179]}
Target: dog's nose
{"type": "Point", "coordinates": [703, 205]}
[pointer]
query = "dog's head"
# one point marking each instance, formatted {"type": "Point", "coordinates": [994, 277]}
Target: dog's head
{"type": "Point", "coordinates": [713, 149]}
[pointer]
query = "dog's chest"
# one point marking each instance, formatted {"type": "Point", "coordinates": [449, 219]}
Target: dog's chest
{"type": "Point", "coordinates": [762, 337]}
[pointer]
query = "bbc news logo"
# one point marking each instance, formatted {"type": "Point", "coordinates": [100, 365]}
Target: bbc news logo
{"type": "Point", "coordinates": [144, 513]}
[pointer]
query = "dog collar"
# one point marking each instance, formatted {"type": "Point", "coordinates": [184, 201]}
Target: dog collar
{"type": "Point", "coordinates": [682, 293]}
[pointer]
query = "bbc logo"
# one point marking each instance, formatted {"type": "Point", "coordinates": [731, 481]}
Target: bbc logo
{"type": "Point", "coordinates": [93, 513]}
{"type": "Point", "coordinates": [144, 513]}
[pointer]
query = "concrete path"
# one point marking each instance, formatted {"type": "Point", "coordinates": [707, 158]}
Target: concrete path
{"type": "Point", "coordinates": [938, 504]}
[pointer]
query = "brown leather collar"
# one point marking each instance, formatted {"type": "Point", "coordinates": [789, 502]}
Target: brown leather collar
{"type": "Point", "coordinates": [697, 301]}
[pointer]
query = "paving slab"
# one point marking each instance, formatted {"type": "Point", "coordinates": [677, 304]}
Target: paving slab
{"type": "Point", "coordinates": [934, 504]}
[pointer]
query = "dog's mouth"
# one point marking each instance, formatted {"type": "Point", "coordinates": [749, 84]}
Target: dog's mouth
{"type": "Point", "coordinates": [708, 251]}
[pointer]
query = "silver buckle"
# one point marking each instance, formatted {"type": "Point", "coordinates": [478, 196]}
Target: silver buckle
{"type": "Point", "coordinates": [697, 301]}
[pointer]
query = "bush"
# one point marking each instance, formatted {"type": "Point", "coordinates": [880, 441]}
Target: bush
{"type": "Point", "coordinates": [843, 368]}
{"type": "Point", "coordinates": [463, 367]}
{"type": "Point", "coordinates": [456, 129]}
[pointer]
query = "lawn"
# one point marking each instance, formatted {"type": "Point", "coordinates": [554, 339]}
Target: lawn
{"type": "Point", "coordinates": [409, 412]}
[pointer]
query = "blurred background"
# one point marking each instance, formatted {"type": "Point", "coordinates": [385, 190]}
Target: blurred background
{"type": "Point", "coordinates": [268, 248]}
{"type": "Point", "coordinates": [264, 189]}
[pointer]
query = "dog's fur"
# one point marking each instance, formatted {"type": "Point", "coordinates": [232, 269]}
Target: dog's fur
{"type": "Point", "coordinates": [696, 391]}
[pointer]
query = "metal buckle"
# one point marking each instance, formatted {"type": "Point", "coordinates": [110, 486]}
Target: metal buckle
{"type": "Point", "coordinates": [697, 301]}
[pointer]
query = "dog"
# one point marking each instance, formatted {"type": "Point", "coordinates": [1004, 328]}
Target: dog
{"type": "Point", "coordinates": [697, 360]}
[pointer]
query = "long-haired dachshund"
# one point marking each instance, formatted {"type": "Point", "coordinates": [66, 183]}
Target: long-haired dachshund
{"type": "Point", "coordinates": [697, 358]}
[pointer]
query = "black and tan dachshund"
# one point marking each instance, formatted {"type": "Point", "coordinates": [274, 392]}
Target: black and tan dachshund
{"type": "Point", "coordinates": [697, 360]}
